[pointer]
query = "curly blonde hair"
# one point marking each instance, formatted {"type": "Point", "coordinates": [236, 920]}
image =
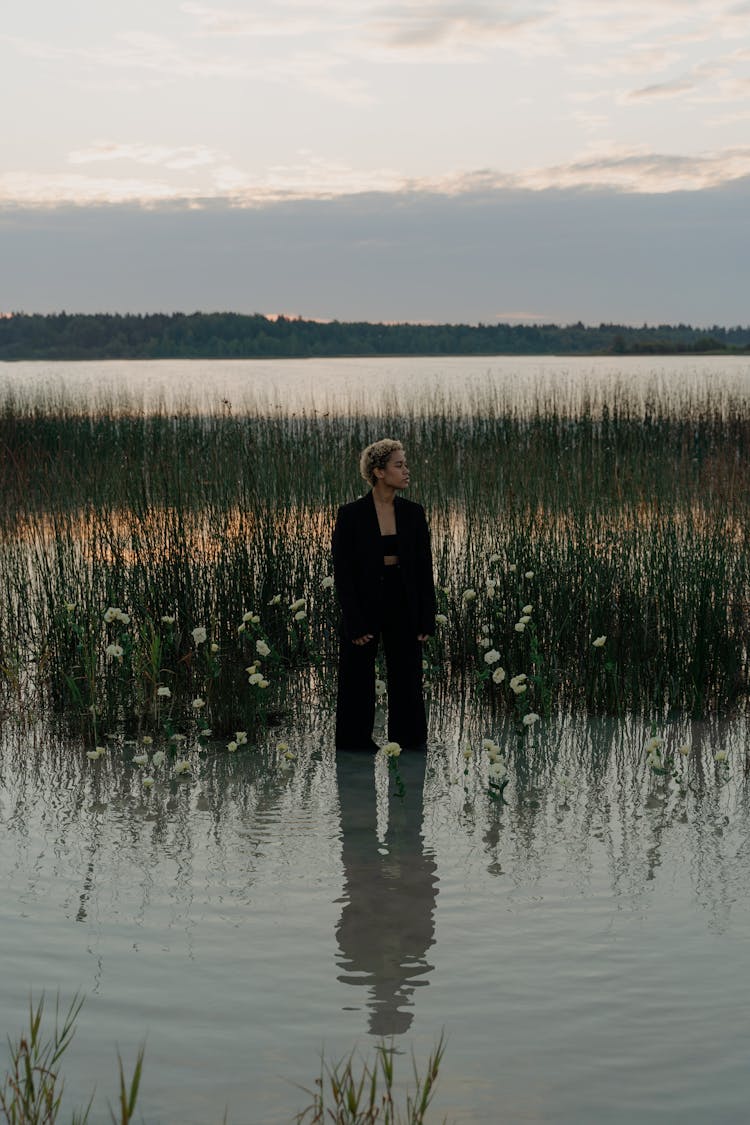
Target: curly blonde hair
{"type": "Point", "coordinates": [376, 457]}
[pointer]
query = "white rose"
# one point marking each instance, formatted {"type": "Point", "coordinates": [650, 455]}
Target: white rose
{"type": "Point", "coordinates": [441, 619]}
{"type": "Point", "coordinates": [600, 642]}
{"type": "Point", "coordinates": [492, 656]}
{"type": "Point", "coordinates": [163, 691]}
{"type": "Point", "coordinates": [199, 635]}
{"type": "Point", "coordinates": [498, 675]}
{"type": "Point", "coordinates": [327, 582]}
{"type": "Point", "coordinates": [530, 719]}
{"type": "Point", "coordinates": [262, 648]}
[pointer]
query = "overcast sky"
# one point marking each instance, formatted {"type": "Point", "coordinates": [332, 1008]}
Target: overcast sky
{"type": "Point", "coordinates": [430, 159]}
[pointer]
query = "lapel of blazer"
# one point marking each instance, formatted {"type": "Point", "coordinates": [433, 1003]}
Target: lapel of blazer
{"type": "Point", "coordinates": [371, 521]}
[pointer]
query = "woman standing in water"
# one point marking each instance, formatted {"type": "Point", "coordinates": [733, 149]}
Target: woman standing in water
{"type": "Point", "coordinates": [382, 565]}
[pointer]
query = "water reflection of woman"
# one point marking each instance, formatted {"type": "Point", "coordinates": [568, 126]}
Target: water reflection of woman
{"type": "Point", "coordinates": [388, 904]}
{"type": "Point", "coordinates": [382, 564]}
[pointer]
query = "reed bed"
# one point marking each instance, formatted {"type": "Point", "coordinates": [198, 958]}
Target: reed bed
{"type": "Point", "coordinates": [629, 517]}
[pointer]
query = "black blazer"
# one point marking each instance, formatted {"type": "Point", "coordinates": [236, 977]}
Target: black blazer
{"type": "Point", "coordinates": [358, 565]}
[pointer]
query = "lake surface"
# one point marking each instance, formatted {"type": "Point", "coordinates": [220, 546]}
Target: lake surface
{"type": "Point", "coordinates": [584, 945]}
{"type": "Point", "coordinates": [345, 385]}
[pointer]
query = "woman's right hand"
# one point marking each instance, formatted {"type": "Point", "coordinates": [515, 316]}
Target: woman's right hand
{"type": "Point", "coordinates": [363, 640]}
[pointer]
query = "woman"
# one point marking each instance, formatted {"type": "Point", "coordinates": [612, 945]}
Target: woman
{"type": "Point", "coordinates": [382, 565]}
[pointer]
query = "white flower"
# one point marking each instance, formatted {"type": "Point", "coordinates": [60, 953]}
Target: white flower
{"type": "Point", "coordinates": [684, 750]}
{"type": "Point", "coordinates": [468, 596]}
{"type": "Point", "coordinates": [498, 771]}
{"type": "Point", "coordinates": [167, 620]}
{"type": "Point", "coordinates": [113, 651]}
{"type": "Point", "coordinates": [206, 732]}
{"type": "Point", "coordinates": [198, 703]}
{"type": "Point", "coordinates": [282, 747]}
{"type": "Point", "coordinates": [720, 756]}
{"type": "Point", "coordinates": [520, 626]}
{"type": "Point", "coordinates": [275, 600]}
{"type": "Point", "coordinates": [489, 744]}
{"type": "Point", "coordinates": [247, 617]}
{"type": "Point", "coordinates": [484, 642]}
{"type": "Point", "coordinates": [140, 759]}
{"type": "Point", "coordinates": [467, 753]}
{"type": "Point", "coordinates": [512, 568]}
{"type": "Point", "coordinates": [255, 678]}
{"type": "Point", "coordinates": [290, 756]}
{"type": "Point", "coordinates": [490, 590]}
{"type": "Point", "coordinates": [298, 604]}
{"type": "Point", "coordinates": [241, 736]}
{"type": "Point", "coordinates": [241, 628]}
{"type": "Point", "coordinates": [263, 683]}
{"type": "Point", "coordinates": [232, 746]}
{"type": "Point", "coordinates": [654, 744]}
{"type": "Point", "coordinates": [380, 688]}
{"type": "Point", "coordinates": [262, 648]}
{"type": "Point", "coordinates": [300, 615]}
{"type": "Point", "coordinates": [494, 558]}
{"type": "Point", "coordinates": [327, 582]}
{"type": "Point", "coordinates": [199, 635]}
{"type": "Point", "coordinates": [111, 614]}
{"type": "Point", "coordinates": [253, 668]}
{"type": "Point", "coordinates": [600, 642]}
{"type": "Point", "coordinates": [441, 619]}
{"type": "Point", "coordinates": [492, 656]}
{"type": "Point", "coordinates": [164, 691]}
{"type": "Point", "coordinates": [214, 647]}
{"type": "Point", "coordinates": [527, 609]}
{"type": "Point", "coordinates": [181, 766]}
{"type": "Point", "coordinates": [530, 719]}
{"type": "Point", "coordinates": [391, 749]}
{"type": "Point", "coordinates": [524, 620]}
{"type": "Point", "coordinates": [148, 783]}
{"type": "Point", "coordinates": [485, 629]}
{"type": "Point", "coordinates": [528, 574]}
{"type": "Point", "coordinates": [69, 607]}
{"type": "Point", "coordinates": [498, 675]}
{"type": "Point", "coordinates": [147, 740]}
{"type": "Point", "coordinates": [177, 737]}
{"type": "Point", "coordinates": [158, 758]}
{"type": "Point", "coordinates": [516, 688]}
{"type": "Point", "coordinates": [94, 755]}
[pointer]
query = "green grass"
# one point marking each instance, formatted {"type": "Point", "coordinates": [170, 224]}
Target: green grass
{"type": "Point", "coordinates": [633, 516]}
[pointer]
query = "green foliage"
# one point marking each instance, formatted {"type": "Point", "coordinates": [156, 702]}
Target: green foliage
{"type": "Point", "coordinates": [234, 336]}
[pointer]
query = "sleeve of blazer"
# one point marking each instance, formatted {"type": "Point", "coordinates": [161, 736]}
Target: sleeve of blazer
{"type": "Point", "coordinates": [426, 578]}
{"type": "Point", "coordinates": [344, 553]}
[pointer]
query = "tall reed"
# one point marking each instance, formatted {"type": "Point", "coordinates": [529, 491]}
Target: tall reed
{"type": "Point", "coordinates": [632, 516]}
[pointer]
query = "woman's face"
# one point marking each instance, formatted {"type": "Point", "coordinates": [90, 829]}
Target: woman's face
{"type": "Point", "coordinates": [396, 471]}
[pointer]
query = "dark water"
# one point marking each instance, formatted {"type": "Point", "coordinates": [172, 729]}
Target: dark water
{"type": "Point", "coordinates": [584, 946]}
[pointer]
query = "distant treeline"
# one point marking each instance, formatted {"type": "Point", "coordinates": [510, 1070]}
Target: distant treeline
{"type": "Point", "coordinates": [75, 336]}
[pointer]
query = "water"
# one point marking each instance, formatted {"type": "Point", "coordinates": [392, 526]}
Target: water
{"type": "Point", "coordinates": [339, 385]}
{"type": "Point", "coordinates": [584, 946]}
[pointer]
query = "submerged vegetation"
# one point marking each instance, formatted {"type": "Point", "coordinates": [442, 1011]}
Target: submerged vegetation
{"type": "Point", "coordinates": [170, 571]}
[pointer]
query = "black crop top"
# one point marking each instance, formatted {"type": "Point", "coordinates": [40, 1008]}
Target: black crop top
{"type": "Point", "coordinates": [390, 544]}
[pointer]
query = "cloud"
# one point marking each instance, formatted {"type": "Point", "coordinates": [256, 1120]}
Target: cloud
{"type": "Point", "coordinates": [155, 56]}
{"type": "Point", "coordinates": [594, 254]}
{"type": "Point", "coordinates": [181, 158]}
{"type": "Point", "coordinates": [311, 177]}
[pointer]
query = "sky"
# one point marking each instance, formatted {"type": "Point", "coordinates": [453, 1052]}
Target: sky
{"type": "Point", "coordinates": [432, 160]}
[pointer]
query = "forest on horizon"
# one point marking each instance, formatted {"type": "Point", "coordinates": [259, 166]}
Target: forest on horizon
{"type": "Point", "coordinates": [82, 336]}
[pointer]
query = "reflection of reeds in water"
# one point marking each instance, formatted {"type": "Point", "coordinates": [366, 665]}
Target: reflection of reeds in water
{"type": "Point", "coordinates": [633, 516]}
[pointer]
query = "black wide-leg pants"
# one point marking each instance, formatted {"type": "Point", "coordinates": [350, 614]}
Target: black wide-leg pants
{"type": "Point", "coordinates": [355, 707]}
